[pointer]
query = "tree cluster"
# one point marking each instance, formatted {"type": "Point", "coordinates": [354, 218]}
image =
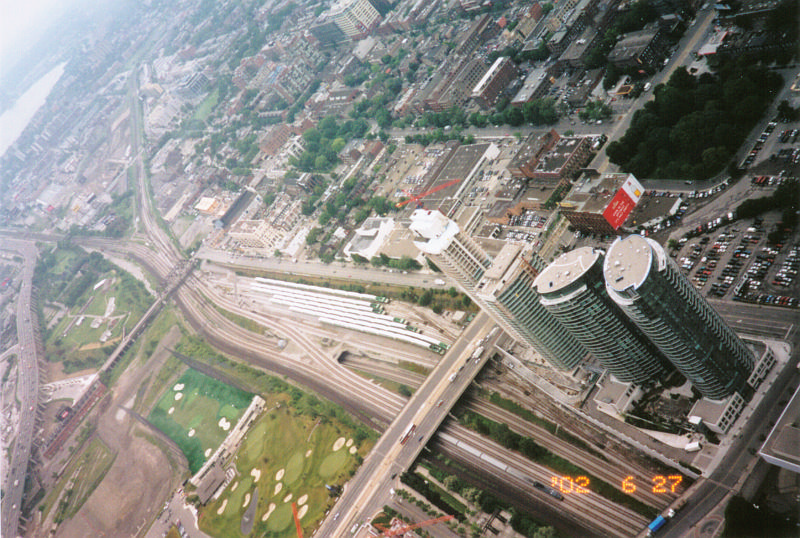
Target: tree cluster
{"type": "Point", "coordinates": [785, 199]}
{"type": "Point", "coordinates": [695, 124]}
{"type": "Point", "coordinates": [594, 111]}
{"type": "Point", "coordinates": [420, 485]}
{"type": "Point", "coordinates": [323, 143]}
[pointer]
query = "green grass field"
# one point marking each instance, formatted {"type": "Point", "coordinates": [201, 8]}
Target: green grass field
{"type": "Point", "coordinates": [130, 302]}
{"type": "Point", "coordinates": [207, 106]}
{"type": "Point", "coordinates": [282, 440]}
{"type": "Point", "coordinates": [203, 403]}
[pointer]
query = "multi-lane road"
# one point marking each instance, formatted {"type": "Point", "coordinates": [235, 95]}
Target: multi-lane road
{"type": "Point", "coordinates": [27, 391]}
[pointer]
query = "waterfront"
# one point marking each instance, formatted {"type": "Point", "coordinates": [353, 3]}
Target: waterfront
{"type": "Point", "coordinates": [15, 119]}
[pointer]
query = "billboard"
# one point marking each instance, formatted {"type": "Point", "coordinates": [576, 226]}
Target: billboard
{"type": "Point", "coordinates": [624, 201]}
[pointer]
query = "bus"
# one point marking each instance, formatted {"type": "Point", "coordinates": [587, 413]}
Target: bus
{"type": "Point", "coordinates": [408, 433]}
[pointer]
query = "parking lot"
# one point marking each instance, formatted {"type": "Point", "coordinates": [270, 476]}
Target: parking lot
{"type": "Point", "coordinates": [736, 261]}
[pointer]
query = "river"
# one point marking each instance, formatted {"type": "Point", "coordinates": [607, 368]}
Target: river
{"type": "Point", "coordinates": [14, 120]}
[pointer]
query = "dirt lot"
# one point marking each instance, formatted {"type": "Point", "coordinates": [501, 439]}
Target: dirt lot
{"type": "Point", "coordinates": [125, 501]}
{"type": "Point", "coordinates": [147, 467]}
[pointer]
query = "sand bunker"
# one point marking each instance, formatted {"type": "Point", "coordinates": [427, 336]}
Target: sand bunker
{"type": "Point", "coordinates": [279, 475]}
{"type": "Point", "coordinates": [352, 450]}
{"type": "Point", "coordinates": [222, 507]}
{"type": "Point", "coordinates": [302, 500]}
{"type": "Point", "coordinates": [278, 488]}
{"type": "Point", "coordinates": [338, 444]}
{"type": "Point", "coordinates": [207, 453]}
{"type": "Point", "coordinates": [268, 512]}
{"type": "Point", "coordinates": [256, 474]}
{"type": "Point", "coordinates": [349, 443]}
{"type": "Point", "coordinates": [178, 387]}
{"type": "Point", "coordinates": [191, 432]}
{"type": "Point", "coordinates": [308, 452]}
{"type": "Point", "coordinates": [302, 511]}
{"type": "Point", "coordinates": [171, 410]}
{"type": "Point", "coordinates": [246, 499]}
{"type": "Point", "coordinates": [178, 396]}
{"type": "Point", "coordinates": [287, 498]}
{"type": "Point", "coordinates": [224, 424]}
{"type": "Point", "coordinates": [234, 486]}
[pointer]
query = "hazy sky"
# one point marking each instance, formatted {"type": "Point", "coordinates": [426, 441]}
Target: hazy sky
{"type": "Point", "coordinates": [23, 22]}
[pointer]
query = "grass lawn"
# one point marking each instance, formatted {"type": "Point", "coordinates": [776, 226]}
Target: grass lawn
{"type": "Point", "coordinates": [207, 106]}
{"type": "Point", "coordinates": [203, 402]}
{"type": "Point", "coordinates": [294, 456]}
{"type": "Point", "coordinates": [79, 480]}
{"type": "Point", "coordinates": [130, 302]}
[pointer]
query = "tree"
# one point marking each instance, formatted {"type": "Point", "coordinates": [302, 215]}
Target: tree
{"type": "Point", "coordinates": [313, 235]}
{"type": "Point", "coordinates": [545, 532]}
{"type": "Point", "coordinates": [338, 144]}
{"type": "Point", "coordinates": [471, 495]}
{"type": "Point", "coordinates": [321, 163]}
{"type": "Point", "coordinates": [405, 391]}
{"type": "Point", "coordinates": [451, 482]}
{"type": "Point", "coordinates": [426, 298]}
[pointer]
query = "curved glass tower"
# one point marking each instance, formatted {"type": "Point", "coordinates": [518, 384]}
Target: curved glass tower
{"type": "Point", "coordinates": [502, 287]}
{"type": "Point", "coordinates": [653, 293]}
{"type": "Point", "coordinates": [507, 290]}
{"type": "Point", "coordinates": [572, 289]}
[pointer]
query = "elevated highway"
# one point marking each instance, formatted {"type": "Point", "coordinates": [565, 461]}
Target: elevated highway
{"type": "Point", "coordinates": [27, 390]}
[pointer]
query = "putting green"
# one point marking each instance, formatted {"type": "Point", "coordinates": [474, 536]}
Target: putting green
{"type": "Point", "coordinates": [294, 468]}
{"type": "Point", "coordinates": [281, 518]}
{"type": "Point", "coordinates": [229, 412]}
{"type": "Point", "coordinates": [332, 463]}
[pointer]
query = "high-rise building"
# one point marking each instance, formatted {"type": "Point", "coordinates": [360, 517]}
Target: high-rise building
{"type": "Point", "coordinates": [453, 251]}
{"type": "Point", "coordinates": [326, 31]}
{"type": "Point", "coordinates": [573, 291]}
{"type": "Point", "coordinates": [507, 292]}
{"type": "Point", "coordinates": [653, 293]}
{"type": "Point", "coordinates": [502, 286]}
{"type": "Point", "coordinates": [356, 18]}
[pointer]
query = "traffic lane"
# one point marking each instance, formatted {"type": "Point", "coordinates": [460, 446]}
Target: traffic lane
{"type": "Point", "coordinates": [781, 323]}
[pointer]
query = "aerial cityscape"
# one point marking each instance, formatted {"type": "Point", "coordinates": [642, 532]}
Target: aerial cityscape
{"type": "Point", "coordinates": [362, 268]}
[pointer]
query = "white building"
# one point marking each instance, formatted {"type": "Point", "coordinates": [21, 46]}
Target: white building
{"type": "Point", "coordinates": [356, 18]}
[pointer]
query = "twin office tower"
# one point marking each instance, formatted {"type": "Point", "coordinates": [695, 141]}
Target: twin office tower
{"type": "Point", "coordinates": [631, 308]}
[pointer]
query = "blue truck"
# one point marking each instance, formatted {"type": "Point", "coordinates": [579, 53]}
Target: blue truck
{"type": "Point", "coordinates": [656, 524]}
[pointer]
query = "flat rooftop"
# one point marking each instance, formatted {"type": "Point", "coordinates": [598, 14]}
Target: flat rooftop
{"type": "Point", "coordinates": [502, 261]}
{"type": "Point", "coordinates": [593, 195]}
{"type": "Point", "coordinates": [628, 262]}
{"type": "Point", "coordinates": [783, 442]}
{"type": "Point", "coordinates": [460, 164]}
{"type": "Point", "coordinates": [566, 269]}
